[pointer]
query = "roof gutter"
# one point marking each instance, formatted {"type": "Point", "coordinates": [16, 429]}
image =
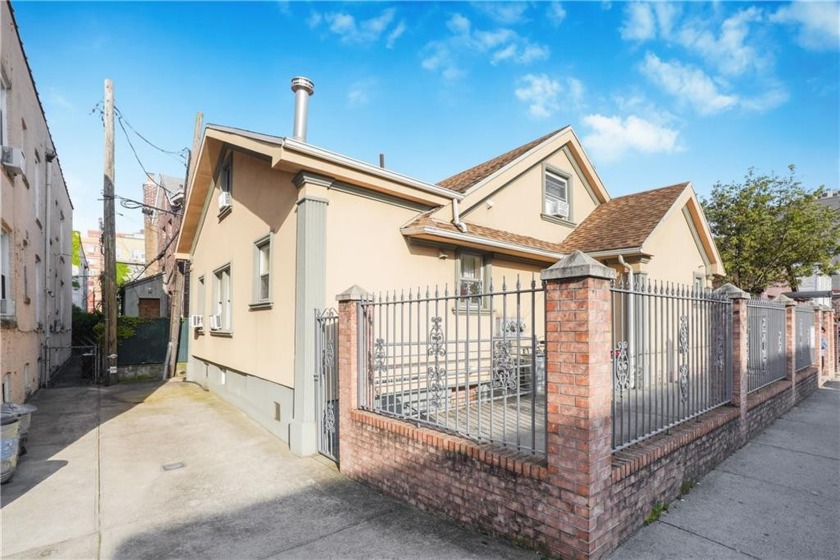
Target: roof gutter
{"type": "Point", "coordinates": [465, 237]}
{"type": "Point", "coordinates": [321, 153]}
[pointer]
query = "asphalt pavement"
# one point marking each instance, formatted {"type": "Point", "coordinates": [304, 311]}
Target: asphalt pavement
{"type": "Point", "coordinates": [167, 470]}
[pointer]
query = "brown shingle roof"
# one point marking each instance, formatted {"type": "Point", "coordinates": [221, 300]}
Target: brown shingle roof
{"type": "Point", "coordinates": [466, 179]}
{"type": "Point", "coordinates": [488, 233]}
{"type": "Point", "coordinates": [623, 222]}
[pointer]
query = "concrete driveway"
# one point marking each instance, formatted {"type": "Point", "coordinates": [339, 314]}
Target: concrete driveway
{"type": "Point", "coordinates": [170, 471]}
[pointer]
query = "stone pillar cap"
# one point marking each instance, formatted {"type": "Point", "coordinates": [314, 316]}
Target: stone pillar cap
{"type": "Point", "coordinates": [577, 265]}
{"type": "Point", "coordinates": [732, 291]}
{"type": "Point", "coordinates": [786, 300]}
{"type": "Point", "coordinates": [353, 293]}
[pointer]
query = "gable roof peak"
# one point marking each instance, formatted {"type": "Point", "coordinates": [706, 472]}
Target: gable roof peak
{"type": "Point", "coordinates": [463, 181]}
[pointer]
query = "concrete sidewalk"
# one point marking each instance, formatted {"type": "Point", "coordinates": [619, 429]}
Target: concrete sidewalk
{"type": "Point", "coordinates": [95, 484]}
{"type": "Point", "coordinates": [777, 497]}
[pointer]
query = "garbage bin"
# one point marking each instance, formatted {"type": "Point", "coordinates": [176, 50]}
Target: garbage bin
{"type": "Point", "coordinates": [9, 444]}
{"type": "Point", "coordinates": [24, 413]}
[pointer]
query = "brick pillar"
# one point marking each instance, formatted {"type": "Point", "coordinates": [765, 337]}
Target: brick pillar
{"type": "Point", "coordinates": [740, 377]}
{"type": "Point", "coordinates": [348, 372]}
{"type": "Point", "coordinates": [790, 342]}
{"type": "Point", "coordinates": [579, 401]}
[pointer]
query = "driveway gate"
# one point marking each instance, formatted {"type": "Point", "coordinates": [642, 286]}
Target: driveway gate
{"type": "Point", "coordinates": [326, 379]}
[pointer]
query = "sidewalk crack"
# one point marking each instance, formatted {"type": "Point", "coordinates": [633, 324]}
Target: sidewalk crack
{"type": "Point", "coordinates": [705, 538]}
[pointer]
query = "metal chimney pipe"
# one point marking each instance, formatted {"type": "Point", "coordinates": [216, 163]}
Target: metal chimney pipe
{"type": "Point", "coordinates": [303, 88]}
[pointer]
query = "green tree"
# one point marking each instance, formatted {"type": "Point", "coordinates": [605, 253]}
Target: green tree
{"type": "Point", "coordinates": [123, 272]}
{"type": "Point", "coordinates": [771, 229]}
{"type": "Point", "coordinates": [77, 248]}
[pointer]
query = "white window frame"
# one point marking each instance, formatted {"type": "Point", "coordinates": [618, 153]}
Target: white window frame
{"type": "Point", "coordinates": [549, 174]}
{"type": "Point", "coordinates": [262, 269]}
{"type": "Point", "coordinates": [5, 266]}
{"type": "Point", "coordinates": [36, 181]}
{"type": "Point", "coordinates": [225, 178]}
{"type": "Point", "coordinates": [479, 280]}
{"type": "Point", "coordinates": [223, 297]}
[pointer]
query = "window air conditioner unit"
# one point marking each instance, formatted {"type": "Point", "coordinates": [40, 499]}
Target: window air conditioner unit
{"type": "Point", "coordinates": [559, 208]}
{"type": "Point", "coordinates": [7, 307]}
{"type": "Point", "coordinates": [177, 198]}
{"type": "Point", "coordinates": [197, 321]}
{"type": "Point", "coordinates": [14, 160]}
{"type": "Point", "coordinates": [225, 200]}
{"type": "Point", "coordinates": [215, 322]}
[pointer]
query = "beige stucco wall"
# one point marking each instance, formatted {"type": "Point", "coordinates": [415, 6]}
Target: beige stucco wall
{"type": "Point", "coordinates": [23, 336]}
{"type": "Point", "coordinates": [518, 204]}
{"type": "Point", "coordinates": [262, 340]}
{"type": "Point", "coordinates": [676, 256]}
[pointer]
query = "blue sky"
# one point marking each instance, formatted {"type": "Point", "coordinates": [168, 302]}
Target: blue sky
{"type": "Point", "coordinates": [658, 93]}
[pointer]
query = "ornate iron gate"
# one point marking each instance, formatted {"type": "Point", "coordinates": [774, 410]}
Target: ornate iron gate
{"type": "Point", "coordinates": [326, 379]}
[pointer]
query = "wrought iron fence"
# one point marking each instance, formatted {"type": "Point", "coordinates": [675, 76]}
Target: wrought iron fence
{"type": "Point", "coordinates": [471, 363]}
{"type": "Point", "coordinates": [671, 358]}
{"type": "Point", "coordinates": [805, 336]}
{"type": "Point", "coordinates": [766, 343]}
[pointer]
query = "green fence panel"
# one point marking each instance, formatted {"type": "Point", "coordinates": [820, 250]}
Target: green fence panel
{"type": "Point", "coordinates": [142, 341]}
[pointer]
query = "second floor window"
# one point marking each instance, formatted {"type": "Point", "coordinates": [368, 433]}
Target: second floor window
{"type": "Point", "coordinates": [262, 270]}
{"type": "Point", "coordinates": [556, 195]}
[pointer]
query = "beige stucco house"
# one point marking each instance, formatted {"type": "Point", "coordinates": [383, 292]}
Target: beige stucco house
{"type": "Point", "coordinates": [35, 230]}
{"type": "Point", "coordinates": [274, 228]}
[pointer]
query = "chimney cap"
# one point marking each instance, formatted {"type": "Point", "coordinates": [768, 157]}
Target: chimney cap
{"type": "Point", "coordinates": [304, 83]}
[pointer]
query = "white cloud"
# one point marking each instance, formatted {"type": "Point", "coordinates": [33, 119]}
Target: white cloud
{"type": "Point", "coordinates": [366, 31]}
{"type": "Point", "coordinates": [541, 94]}
{"type": "Point", "coordinates": [503, 12]}
{"type": "Point", "coordinates": [395, 34]}
{"type": "Point", "coordinates": [544, 95]}
{"type": "Point", "coordinates": [556, 13]}
{"type": "Point", "coordinates": [687, 83]}
{"type": "Point", "coordinates": [639, 23]}
{"type": "Point", "coordinates": [729, 51]}
{"type": "Point", "coordinates": [611, 138]}
{"type": "Point", "coordinates": [360, 92]}
{"type": "Point", "coordinates": [643, 21]}
{"type": "Point", "coordinates": [314, 20]}
{"type": "Point", "coordinates": [499, 45]}
{"type": "Point", "coordinates": [57, 99]}
{"type": "Point", "coordinates": [818, 22]}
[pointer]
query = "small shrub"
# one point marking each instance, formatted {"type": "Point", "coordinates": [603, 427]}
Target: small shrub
{"type": "Point", "coordinates": [654, 514]}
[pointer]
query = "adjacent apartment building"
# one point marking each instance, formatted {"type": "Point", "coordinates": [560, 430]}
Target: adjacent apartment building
{"type": "Point", "coordinates": [36, 221]}
{"type": "Point", "coordinates": [164, 200]}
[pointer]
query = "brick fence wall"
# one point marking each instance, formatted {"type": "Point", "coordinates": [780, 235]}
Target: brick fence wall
{"type": "Point", "coordinates": [582, 500]}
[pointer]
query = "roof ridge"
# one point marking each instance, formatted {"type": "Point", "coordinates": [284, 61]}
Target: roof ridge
{"type": "Point", "coordinates": [683, 185]}
{"type": "Point", "coordinates": [467, 178]}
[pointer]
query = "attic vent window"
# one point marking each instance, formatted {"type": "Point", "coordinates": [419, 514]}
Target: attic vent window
{"type": "Point", "coordinates": [556, 195]}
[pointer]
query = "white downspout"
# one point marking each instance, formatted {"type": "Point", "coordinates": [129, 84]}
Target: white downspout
{"type": "Point", "coordinates": [456, 216]}
{"type": "Point", "coordinates": [631, 323]}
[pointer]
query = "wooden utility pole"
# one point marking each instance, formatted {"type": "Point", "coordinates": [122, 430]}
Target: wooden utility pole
{"type": "Point", "coordinates": [109, 273]}
{"type": "Point", "coordinates": [178, 291]}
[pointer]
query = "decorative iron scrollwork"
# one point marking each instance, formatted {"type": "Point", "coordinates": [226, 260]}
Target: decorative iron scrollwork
{"type": "Point", "coordinates": [329, 418]}
{"type": "Point", "coordinates": [379, 355]}
{"type": "Point", "coordinates": [437, 386]}
{"type": "Point", "coordinates": [683, 383]}
{"type": "Point", "coordinates": [437, 374]}
{"type": "Point", "coordinates": [504, 367]}
{"type": "Point", "coordinates": [720, 352]}
{"type": "Point", "coordinates": [437, 344]}
{"type": "Point", "coordinates": [683, 350]}
{"type": "Point", "coordinates": [683, 338]}
{"type": "Point", "coordinates": [763, 347]}
{"type": "Point", "coordinates": [622, 366]}
{"type": "Point", "coordinates": [781, 344]}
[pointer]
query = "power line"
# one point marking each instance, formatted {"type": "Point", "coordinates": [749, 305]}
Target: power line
{"type": "Point", "coordinates": [180, 153]}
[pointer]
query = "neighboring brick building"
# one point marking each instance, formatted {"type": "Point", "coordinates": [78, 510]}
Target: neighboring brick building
{"type": "Point", "coordinates": [35, 240]}
{"type": "Point", "coordinates": [164, 199]}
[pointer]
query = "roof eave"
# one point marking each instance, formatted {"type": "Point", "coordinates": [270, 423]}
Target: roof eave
{"type": "Point", "coordinates": [433, 233]}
